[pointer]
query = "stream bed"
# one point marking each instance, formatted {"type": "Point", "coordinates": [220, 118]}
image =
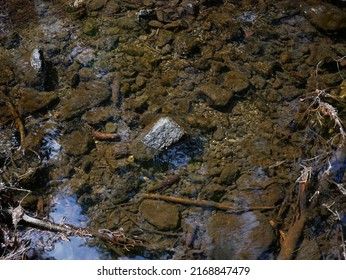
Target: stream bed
{"type": "Point", "coordinates": [179, 129]}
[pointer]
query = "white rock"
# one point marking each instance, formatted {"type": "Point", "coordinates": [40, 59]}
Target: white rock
{"type": "Point", "coordinates": [36, 60]}
{"type": "Point", "coordinates": [163, 134]}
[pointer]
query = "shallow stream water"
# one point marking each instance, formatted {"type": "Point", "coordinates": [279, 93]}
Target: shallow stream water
{"type": "Point", "coordinates": [239, 78]}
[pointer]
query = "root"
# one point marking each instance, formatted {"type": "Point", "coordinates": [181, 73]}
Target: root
{"type": "Point", "coordinates": [328, 175]}
{"type": "Point", "coordinates": [294, 233]}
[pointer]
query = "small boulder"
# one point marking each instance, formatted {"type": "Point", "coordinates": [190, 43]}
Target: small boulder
{"type": "Point", "coordinates": [163, 134]}
{"type": "Point", "coordinates": [160, 214]}
{"type": "Point", "coordinates": [325, 16]}
{"type": "Point", "coordinates": [238, 237]}
{"type": "Point", "coordinates": [77, 143]}
{"type": "Point", "coordinates": [236, 81]}
{"type": "Point", "coordinates": [216, 95]}
{"type": "Point", "coordinates": [86, 96]}
{"type": "Point", "coordinates": [32, 100]}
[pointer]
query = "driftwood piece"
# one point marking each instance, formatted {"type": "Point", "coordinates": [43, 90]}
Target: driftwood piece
{"type": "Point", "coordinates": [204, 203]}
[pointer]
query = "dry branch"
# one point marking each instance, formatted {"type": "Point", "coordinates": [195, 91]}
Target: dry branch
{"type": "Point", "coordinates": [205, 203]}
{"type": "Point", "coordinates": [116, 237]}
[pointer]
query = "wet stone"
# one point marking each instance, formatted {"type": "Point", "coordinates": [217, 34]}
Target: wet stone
{"type": "Point", "coordinates": [6, 73]}
{"type": "Point", "coordinates": [216, 95]}
{"type": "Point", "coordinates": [164, 37]}
{"type": "Point", "coordinates": [86, 56]}
{"type": "Point", "coordinates": [126, 23]}
{"type": "Point", "coordinates": [90, 28]}
{"type": "Point", "coordinates": [236, 81]}
{"type": "Point", "coordinates": [36, 60]}
{"type": "Point", "coordinates": [86, 74]}
{"type": "Point", "coordinates": [325, 16]}
{"type": "Point", "coordinates": [219, 134]}
{"type": "Point", "coordinates": [111, 127]}
{"type": "Point", "coordinates": [25, 73]}
{"type": "Point", "coordinates": [255, 180]}
{"type": "Point", "coordinates": [234, 237]}
{"type": "Point", "coordinates": [97, 115]}
{"type": "Point", "coordinates": [160, 214]}
{"type": "Point", "coordinates": [163, 134]}
{"type": "Point", "coordinates": [96, 5]}
{"type": "Point", "coordinates": [185, 44]}
{"type": "Point", "coordinates": [155, 24]}
{"type": "Point", "coordinates": [229, 173]}
{"type": "Point", "coordinates": [32, 100]}
{"type": "Point", "coordinates": [77, 143]}
{"type": "Point", "coordinates": [213, 192]}
{"type": "Point", "coordinates": [86, 96]}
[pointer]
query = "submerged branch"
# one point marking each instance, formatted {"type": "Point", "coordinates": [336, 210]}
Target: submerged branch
{"type": "Point", "coordinates": [205, 203]}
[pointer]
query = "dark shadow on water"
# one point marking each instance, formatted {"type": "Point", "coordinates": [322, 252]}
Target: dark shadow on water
{"type": "Point", "coordinates": [180, 154]}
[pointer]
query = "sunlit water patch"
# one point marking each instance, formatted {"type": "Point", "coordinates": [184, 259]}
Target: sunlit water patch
{"type": "Point", "coordinates": [65, 210]}
{"type": "Point", "coordinates": [50, 148]}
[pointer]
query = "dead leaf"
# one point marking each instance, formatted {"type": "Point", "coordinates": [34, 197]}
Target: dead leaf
{"type": "Point", "coordinates": [17, 215]}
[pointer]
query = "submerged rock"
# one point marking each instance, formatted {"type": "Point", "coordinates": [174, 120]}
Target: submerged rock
{"type": "Point", "coordinates": [86, 96]}
{"type": "Point", "coordinates": [163, 134]}
{"type": "Point", "coordinates": [234, 237]}
{"type": "Point", "coordinates": [77, 143]}
{"type": "Point", "coordinates": [216, 95]}
{"type": "Point", "coordinates": [36, 60]}
{"type": "Point", "coordinates": [6, 73]}
{"type": "Point", "coordinates": [236, 81]}
{"type": "Point", "coordinates": [160, 214]}
{"type": "Point", "coordinates": [325, 16]}
{"type": "Point", "coordinates": [32, 100]}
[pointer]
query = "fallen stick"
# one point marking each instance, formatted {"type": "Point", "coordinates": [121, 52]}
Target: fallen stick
{"type": "Point", "coordinates": [204, 203]}
{"type": "Point", "coordinates": [104, 136]}
{"type": "Point", "coordinates": [169, 181]}
{"type": "Point", "coordinates": [116, 237]}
